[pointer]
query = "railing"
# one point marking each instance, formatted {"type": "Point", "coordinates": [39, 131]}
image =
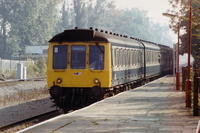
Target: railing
{"type": "Point", "coordinates": [195, 88]}
{"type": "Point", "coordinates": [11, 64]}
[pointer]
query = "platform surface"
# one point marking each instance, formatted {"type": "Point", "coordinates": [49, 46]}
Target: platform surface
{"type": "Point", "coordinates": [153, 108]}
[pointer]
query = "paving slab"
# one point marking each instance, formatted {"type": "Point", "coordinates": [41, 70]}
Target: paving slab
{"type": "Point", "coordinates": [153, 108]}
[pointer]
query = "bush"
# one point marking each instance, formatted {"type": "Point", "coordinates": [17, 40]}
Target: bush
{"type": "Point", "coordinates": [38, 68]}
{"type": "Point", "coordinates": [33, 69]}
{"type": "Point", "coordinates": [9, 74]}
{"type": "Point", "coordinates": [42, 65]}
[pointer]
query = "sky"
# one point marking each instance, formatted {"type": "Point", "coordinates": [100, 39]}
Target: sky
{"type": "Point", "coordinates": [155, 8]}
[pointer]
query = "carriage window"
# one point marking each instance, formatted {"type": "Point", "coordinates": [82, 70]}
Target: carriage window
{"type": "Point", "coordinates": [117, 58]}
{"type": "Point", "coordinates": [114, 57]}
{"type": "Point", "coordinates": [78, 57]}
{"type": "Point", "coordinates": [124, 58]}
{"type": "Point", "coordinates": [134, 57]}
{"type": "Point", "coordinates": [150, 56]}
{"type": "Point", "coordinates": [131, 54]}
{"type": "Point", "coordinates": [128, 58]}
{"type": "Point", "coordinates": [139, 58]}
{"type": "Point", "coordinates": [96, 57]}
{"type": "Point", "coordinates": [60, 57]}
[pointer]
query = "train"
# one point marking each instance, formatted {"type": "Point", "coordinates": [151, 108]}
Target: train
{"type": "Point", "coordinates": [87, 65]}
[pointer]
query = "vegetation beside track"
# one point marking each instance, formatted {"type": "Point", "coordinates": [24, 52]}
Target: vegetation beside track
{"type": "Point", "coordinates": [28, 93]}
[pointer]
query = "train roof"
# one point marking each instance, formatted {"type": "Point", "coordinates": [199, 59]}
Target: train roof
{"type": "Point", "coordinates": [80, 35]}
{"type": "Point", "coordinates": [164, 47]}
{"type": "Point", "coordinates": [75, 35]}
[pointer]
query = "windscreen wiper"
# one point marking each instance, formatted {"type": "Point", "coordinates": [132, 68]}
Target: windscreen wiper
{"type": "Point", "coordinates": [99, 48]}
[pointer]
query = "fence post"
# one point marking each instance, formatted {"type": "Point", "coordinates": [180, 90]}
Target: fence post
{"type": "Point", "coordinates": [19, 71]}
{"type": "Point", "coordinates": [195, 94]}
{"type": "Point", "coordinates": [24, 72]}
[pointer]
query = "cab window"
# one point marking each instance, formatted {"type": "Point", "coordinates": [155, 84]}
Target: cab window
{"type": "Point", "coordinates": [60, 56]}
{"type": "Point", "coordinates": [78, 57]}
{"type": "Point", "coordinates": [96, 57]}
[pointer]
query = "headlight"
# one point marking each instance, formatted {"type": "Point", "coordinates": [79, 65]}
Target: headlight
{"type": "Point", "coordinates": [59, 80]}
{"type": "Point", "coordinates": [96, 81]}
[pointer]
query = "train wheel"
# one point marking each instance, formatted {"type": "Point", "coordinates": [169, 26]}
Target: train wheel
{"type": "Point", "coordinates": [129, 87]}
{"type": "Point", "coordinates": [147, 80]}
{"type": "Point", "coordinates": [121, 88]}
{"type": "Point", "coordinates": [125, 87]}
{"type": "Point", "coordinates": [65, 105]}
{"type": "Point", "coordinates": [60, 102]}
{"type": "Point", "coordinates": [143, 83]}
{"type": "Point", "coordinates": [116, 91]}
{"type": "Point", "coordinates": [133, 85]}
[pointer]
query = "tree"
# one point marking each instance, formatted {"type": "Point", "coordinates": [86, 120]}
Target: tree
{"type": "Point", "coordinates": [80, 13]}
{"type": "Point", "coordinates": [83, 14]}
{"type": "Point", "coordinates": [97, 12]}
{"type": "Point", "coordinates": [183, 13]}
{"type": "Point", "coordinates": [66, 17]}
{"type": "Point", "coordinates": [34, 22]}
{"type": "Point", "coordinates": [5, 8]}
{"type": "Point", "coordinates": [41, 64]}
{"type": "Point", "coordinates": [196, 34]}
{"type": "Point", "coordinates": [136, 23]}
{"type": "Point", "coordinates": [26, 22]}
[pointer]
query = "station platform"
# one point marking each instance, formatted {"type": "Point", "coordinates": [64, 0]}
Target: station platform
{"type": "Point", "coordinates": [153, 108]}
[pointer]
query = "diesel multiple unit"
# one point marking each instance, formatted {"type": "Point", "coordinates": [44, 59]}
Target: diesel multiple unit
{"type": "Point", "coordinates": [85, 65]}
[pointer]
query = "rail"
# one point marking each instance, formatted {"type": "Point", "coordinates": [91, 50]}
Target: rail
{"type": "Point", "coordinates": [16, 81]}
{"type": "Point", "coordinates": [50, 114]}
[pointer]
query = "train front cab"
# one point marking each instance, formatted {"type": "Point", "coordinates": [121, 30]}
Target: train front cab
{"type": "Point", "coordinates": [74, 69]}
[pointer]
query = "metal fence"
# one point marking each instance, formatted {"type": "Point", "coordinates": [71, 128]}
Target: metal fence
{"type": "Point", "coordinates": [195, 88]}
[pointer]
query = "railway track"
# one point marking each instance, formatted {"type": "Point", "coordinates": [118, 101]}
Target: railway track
{"type": "Point", "coordinates": [13, 127]}
{"type": "Point", "coordinates": [16, 81]}
{"type": "Point", "coordinates": [23, 100]}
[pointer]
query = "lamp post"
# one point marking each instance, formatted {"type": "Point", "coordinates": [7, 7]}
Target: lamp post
{"type": "Point", "coordinates": [188, 81]}
{"type": "Point", "coordinates": [178, 50]}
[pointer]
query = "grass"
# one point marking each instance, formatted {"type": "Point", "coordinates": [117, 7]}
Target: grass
{"type": "Point", "coordinates": [24, 96]}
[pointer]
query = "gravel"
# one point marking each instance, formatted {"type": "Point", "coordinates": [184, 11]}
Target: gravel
{"type": "Point", "coordinates": [26, 86]}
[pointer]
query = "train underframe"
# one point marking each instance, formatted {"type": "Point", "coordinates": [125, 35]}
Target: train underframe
{"type": "Point", "coordinates": [75, 98]}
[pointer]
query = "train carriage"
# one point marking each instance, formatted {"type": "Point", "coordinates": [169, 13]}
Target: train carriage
{"type": "Point", "coordinates": [127, 61]}
{"type": "Point", "coordinates": [152, 59]}
{"type": "Point", "coordinates": [166, 65]}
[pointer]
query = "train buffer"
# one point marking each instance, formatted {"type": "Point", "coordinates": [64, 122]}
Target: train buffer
{"type": "Point", "coordinates": [155, 107]}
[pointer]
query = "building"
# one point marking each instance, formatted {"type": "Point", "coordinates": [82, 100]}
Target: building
{"type": "Point", "coordinates": [36, 50]}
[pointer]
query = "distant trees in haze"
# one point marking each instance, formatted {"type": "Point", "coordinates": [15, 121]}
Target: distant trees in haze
{"type": "Point", "coordinates": [34, 22]}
